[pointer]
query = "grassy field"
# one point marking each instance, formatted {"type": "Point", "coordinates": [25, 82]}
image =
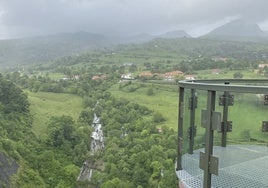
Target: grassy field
{"type": "Point", "coordinates": [163, 100]}
{"type": "Point", "coordinates": [247, 114]}
{"type": "Point", "coordinates": [44, 105]}
{"type": "Point", "coordinates": [56, 76]}
{"type": "Point", "coordinates": [247, 74]}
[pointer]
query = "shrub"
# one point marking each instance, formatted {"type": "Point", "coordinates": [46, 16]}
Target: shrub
{"type": "Point", "coordinates": [158, 117]}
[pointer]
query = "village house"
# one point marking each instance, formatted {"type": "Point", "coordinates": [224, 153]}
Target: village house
{"type": "Point", "coordinates": [127, 77]}
{"type": "Point", "coordinates": [128, 64]}
{"type": "Point", "coordinates": [190, 77]}
{"type": "Point", "coordinates": [99, 77]}
{"type": "Point", "coordinates": [146, 74]}
{"type": "Point", "coordinates": [262, 69]}
{"type": "Point", "coordinates": [172, 75]}
{"type": "Point", "coordinates": [95, 77]}
{"type": "Point", "coordinates": [65, 78]}
{"type": "Point", "coordinates": [261, 66]}
{"type": "Point", "coordinates": [158, 76]}
{"type": "Point", "coordinates": [219, 59]}
{"type": "Point", "coordinates": [76, 77]}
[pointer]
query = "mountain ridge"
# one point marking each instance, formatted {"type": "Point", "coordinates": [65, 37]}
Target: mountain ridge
{"type": "Point", "coordinates": [39, 49]}
{"type": "Point", "coordinates": [237, 29]}
{"type": "Point", "coordinates": [175, 34]}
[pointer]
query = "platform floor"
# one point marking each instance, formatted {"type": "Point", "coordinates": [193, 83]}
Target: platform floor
{"type": "Point", "coordinates": [244, 166]}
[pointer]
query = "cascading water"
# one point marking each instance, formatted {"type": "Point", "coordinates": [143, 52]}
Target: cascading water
{"type": "Point", "coordinates": [97, 143]}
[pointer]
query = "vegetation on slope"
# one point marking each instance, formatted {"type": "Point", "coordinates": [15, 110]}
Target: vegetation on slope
{"type": "Point", "coordinates": [138, 117]}
{"type": "Point", "coordinates": [44, 105]}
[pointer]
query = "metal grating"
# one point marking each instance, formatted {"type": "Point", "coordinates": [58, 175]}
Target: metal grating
{"type": "Point", "coordinates": [239, 166]}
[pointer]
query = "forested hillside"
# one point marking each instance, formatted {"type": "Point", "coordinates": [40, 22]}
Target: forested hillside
{"type": "Point", "coordinates": [48, 149]}
{"type": "Point", "coordinates": [163, 55]}
{"type": "Point", "coordinates": [136, 153]}
{"type": "Point", "coordinates": [20, 53]}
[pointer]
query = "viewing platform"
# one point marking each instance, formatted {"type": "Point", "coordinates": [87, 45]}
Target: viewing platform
{"type": "Point", "coordinates": [239, 166]}
{"type": "Point", "coordinates": [217, 110]}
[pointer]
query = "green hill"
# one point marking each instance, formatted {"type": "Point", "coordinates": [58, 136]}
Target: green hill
{"type": "Point", "coordinates": [27, 51]}
{"type": "Point", "coordinates": [44, 105]}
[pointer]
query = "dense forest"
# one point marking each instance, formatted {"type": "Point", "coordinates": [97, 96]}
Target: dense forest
{"type": "Point", "coordinates": [140, 157]}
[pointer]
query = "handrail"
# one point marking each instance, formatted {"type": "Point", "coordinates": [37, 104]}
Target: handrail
{"type": "Point", "coordinates": [228, 85]}
{"type": "Point", "coordinates": [211, 120]}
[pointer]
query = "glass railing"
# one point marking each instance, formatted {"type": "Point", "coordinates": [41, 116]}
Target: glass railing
{"type": "Point", "coordinates": [223, 133]}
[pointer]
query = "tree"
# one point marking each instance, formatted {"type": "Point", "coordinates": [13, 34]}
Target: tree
{"type": "Point", "coordinates": [238, 75]}
{"type": "Point", "coordinates": [156, 166]}
{"type": "Point", "coordinates": [158, 117]}
{"type": "Point", "coordinates": [70, 175]}
{"type": "Point", "coordinates": [86, 116]}
{"type": "Point", "coordinates": [133, 68]}
{"type": "Point", "coordinates": [27, 177]}
{"type": "Point", "coordinates": [60, 130]}
{"type": "Point", "coordinates": [117, 183]}
{"type": "Point", "coordinates": [265, 71]}
{"type": "Point", "coordinates": [150, 91]}
{"type": "Point", "coordinates": [12, 98]}
{"type": "Point", "coordinates": [48, 168]}
{"type": "Point", "coordinates": [140, 176]}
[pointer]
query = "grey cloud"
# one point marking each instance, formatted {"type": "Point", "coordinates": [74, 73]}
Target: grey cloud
{"type": "Point", "coordinates": [33, 17]}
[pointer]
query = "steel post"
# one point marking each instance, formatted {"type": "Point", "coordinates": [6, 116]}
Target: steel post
{"type": "Point", "coordinates": [209, 138]}
{"type": "Point", "coordinates": [192, 121]}
{"type": "Point", "coordinates": [225, 119]}
{"type": "Point", "coordinates": [180, 127]}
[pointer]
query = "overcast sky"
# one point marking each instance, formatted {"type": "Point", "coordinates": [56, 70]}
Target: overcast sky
{"type": "Point", "coordinates": [20, 18]}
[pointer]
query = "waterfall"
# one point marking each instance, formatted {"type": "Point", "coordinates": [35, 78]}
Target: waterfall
{"type": "Point", "coordinates": [96, 143]}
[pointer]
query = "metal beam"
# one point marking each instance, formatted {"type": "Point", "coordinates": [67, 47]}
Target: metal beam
{"type": "Point", "coordinates": [219, 85]}
{"type": "Point", "coordinates": [180, 127]}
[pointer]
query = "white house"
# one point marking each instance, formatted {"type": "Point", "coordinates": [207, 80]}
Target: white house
{"type": "Point", "coordinates": [127, 76]}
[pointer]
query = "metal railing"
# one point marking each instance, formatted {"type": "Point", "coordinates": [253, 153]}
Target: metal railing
{"type": "Point", "coordinates": [210, 119]}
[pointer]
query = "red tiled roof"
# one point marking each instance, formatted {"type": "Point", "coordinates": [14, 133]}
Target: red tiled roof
{"type": "Point", "coordinates": [145, 74]}
{"type": "Point", "coordinates": [174, 73]}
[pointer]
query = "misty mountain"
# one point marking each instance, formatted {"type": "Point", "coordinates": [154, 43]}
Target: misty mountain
{"type": "Point", "coordinates": [140, 38]}
{"type": "Point", "coordinates": [41, 49]}
{"type": "Point", "coordinates": [36, 50]}
{"type": "Point", "coordinates": [237, 30]}
{"type": "Point", "coordinates": [144, 37]}
{"type": "Point", "coordinates": [174, 34]}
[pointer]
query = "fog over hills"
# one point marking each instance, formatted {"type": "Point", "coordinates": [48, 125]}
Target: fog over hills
{"type": "Point", "coordinates": [45, 48]}
{"type": "Point", "coordinates": [175, 34]}
{"type": "Point", "coordinates": [124, 17]}
{"type": "Point", "coordinates": [145, 37]}
{"type": "Point", "coordinates": [36, 50]}
{"type": "Point", "coordinates": [237, 29]}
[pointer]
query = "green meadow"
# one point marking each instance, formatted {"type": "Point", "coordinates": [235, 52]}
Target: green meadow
{"type": "Point", "coordinates": [247, 113]}
{"type": "Point", "coordinates": [163, 100]}
{"type": "Point", "coordinates": [43, 105]}
{"type": "Point", "coordinates": [247, 74]}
